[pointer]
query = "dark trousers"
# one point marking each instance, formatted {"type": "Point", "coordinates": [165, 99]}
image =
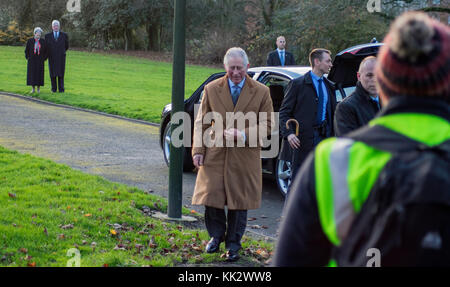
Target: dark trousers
{"type": "Point", "coordinates": [295, 167]}
{"type": "Point", "coordinates": [60, 81]}
{"type": "Point", "coordinates": [230, 227]}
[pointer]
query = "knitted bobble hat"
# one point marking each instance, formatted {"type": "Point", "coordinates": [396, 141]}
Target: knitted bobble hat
{"type": "Point", "coordinates": [415, 58]}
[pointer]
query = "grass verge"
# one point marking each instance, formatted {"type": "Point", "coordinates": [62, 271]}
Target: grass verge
{"type": "Point", "coordinates": [50, 212]}
{"type": "Point", "coordinates": [121, 85]}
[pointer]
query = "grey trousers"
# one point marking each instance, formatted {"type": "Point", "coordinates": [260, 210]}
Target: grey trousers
{"type": "Point", "coordinates": [230, 228]}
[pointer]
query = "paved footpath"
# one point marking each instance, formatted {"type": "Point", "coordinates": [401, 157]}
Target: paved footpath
{"type": "Point", "coordinates": [116, 149]}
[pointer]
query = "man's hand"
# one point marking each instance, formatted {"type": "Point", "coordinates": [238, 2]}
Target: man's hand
{"type": "Point", "coordinates": [294, 142]}
{"type": "Point", "coordinates": [198, 160]}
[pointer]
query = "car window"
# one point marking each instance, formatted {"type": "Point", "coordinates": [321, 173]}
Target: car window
{"type": "Point", "coordinates": [347, 92]}
{"type": "Point", "coordinates": [277, 85]}
{"type": "Point", "coordinates": [338, 96]}
{"type": "Point", "coordinates": [201, 96]}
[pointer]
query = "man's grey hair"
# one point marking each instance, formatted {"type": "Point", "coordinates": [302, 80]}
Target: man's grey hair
{"type": "Point", "coordinates": [55, 22]}
{"type": "Point", "coordinates": [235, 52]}
{"type": "Point", "coordinates": [38, 29]}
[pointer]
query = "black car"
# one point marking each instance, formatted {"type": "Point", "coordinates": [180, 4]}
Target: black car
{"type": "Point", "coordinates": [343, 74]}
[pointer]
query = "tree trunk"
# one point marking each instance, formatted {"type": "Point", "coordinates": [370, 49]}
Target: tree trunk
{"type": "Point", "coordinates": [154, 39]}
{"type": "Point", "coordinates": [126, 39]}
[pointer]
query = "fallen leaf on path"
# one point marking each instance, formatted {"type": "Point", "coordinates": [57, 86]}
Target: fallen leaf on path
{"type": "Point", "coordinates": [263, 253]}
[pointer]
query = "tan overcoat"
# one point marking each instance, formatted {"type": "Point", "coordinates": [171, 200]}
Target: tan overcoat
{"type": "Point", "coordinates": [231, 176]}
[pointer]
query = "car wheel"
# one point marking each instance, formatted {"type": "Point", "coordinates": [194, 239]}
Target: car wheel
{"type": "Point", "coordinates": [283, 175]}
{"type": "Point", "coordinates": [188, 165]}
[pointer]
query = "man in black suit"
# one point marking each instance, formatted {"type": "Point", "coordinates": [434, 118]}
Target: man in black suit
{"type": "Point", "coordinates": [280, 57]}
{"type": "Point", "coordinates": [311, 100]}
{"type": "Point", "coordinates": [58, 44]}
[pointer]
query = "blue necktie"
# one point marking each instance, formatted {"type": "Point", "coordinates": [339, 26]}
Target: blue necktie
{"type": "Point", "coordinates": [282, 58]}
{"type": "Point", "coordinates": [378, 104]}
{"type": "Point", "coordinates": [235, 95]}
{"type": "Point", "coordinates": [56, 35]}
{"type": "Point", "coordinates": [320, 113]}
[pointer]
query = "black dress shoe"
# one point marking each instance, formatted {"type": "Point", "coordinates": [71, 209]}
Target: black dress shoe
{"type": "Point", "coordinates": [232, 256]}
{"type": "Point", "coordinates": [213, 245]}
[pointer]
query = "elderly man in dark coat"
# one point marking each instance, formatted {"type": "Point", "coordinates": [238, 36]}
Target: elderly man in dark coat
{"type": "Point", "coordinates": [58, 44]}
{"type": "Point", "coordinates": [36, 54]}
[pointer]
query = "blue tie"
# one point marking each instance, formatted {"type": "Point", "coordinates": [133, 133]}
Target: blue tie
{"type": "Point", "coordinates": [320, 113]}
{"type": "Point", "coordinates": [235, 95]}
{"type": "Point", "coordinates": [282, 58]}
{"type": "Point", "coordinates": [377, 102]}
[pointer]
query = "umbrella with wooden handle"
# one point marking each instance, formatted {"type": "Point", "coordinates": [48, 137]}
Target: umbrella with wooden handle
{"type": "Point", "coordinates": [297, 128]}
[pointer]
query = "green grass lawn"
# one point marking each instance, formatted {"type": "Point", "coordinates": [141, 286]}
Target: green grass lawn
{"type": "Point", "coordinates": [46, 209]}
{"type": "Point", "coordinates": [122, 85]}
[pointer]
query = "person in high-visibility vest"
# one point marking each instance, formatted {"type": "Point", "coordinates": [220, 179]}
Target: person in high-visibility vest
{"type": "Point", "coordinates": [336, 179]}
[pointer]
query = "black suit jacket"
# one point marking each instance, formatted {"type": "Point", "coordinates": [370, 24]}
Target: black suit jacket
{"type": "Point", "coordinates": [57, 53]}
{"type": "Point", "coordinates": [301, 103]}
{"type": "Point", "coordinates": [273, 59]}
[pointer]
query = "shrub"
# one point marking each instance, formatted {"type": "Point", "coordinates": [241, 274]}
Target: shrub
{"type": "Point", "coordinates": [13, 36]}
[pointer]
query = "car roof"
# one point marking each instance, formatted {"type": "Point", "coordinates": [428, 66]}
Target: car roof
{"type": "Point", "coordinates": [361, 49]}
{"type": "Point", "coordinates": [346, 63]}
{"type": "Point", "coordinates": [291, 71]}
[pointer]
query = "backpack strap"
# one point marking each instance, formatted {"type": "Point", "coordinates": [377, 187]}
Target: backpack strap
{"type": "Point", "coordinates": [382, 138]}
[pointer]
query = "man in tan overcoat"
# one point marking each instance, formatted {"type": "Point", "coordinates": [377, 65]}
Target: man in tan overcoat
{"type": "Point", "coordinates": [234, 116]}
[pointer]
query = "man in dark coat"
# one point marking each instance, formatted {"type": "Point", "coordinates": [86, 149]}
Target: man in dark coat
{"type": "Point", "coordinates": [361, 106]}
{"type": "Point", "coordinates": [311, 100]}
{"type": "Point", "coordinates": [36, 54]}
{"type": "Point", "coordinates": [58, 44]}
{"type": "Point", "coordinates": [280, 57]}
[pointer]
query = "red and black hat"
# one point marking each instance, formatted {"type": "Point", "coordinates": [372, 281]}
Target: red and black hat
{"type": "Point", "coordinates": [415, 60]}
